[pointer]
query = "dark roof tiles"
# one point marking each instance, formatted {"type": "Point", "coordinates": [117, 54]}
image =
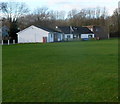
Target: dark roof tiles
{"type": "Point", "coordinates": [49, 29]}
{"type": "Point", "coordinates": [74, 30]}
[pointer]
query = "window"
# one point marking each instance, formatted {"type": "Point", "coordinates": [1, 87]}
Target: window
{"type": "Point", "coordinates": [89, 36]}
{"type": "Point", "coordinates": [68, 36]}
{"type": "Point", "coordinates": [51, 35]}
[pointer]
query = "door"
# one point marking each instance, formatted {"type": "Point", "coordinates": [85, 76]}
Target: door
{"type": "Point", "coordinates": [55, 37]}
{"type": "Point", "coordinates": [44, 39]}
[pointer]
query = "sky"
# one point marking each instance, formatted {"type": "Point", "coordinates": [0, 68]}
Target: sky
{"type": "Point", "coordinates": [68, 5]}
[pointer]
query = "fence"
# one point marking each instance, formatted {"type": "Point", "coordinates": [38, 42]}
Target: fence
{"type": "Point", "coordinates": [7, 42]}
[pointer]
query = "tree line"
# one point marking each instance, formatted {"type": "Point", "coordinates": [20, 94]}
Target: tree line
{"type": "Point", "coordinates": [18, 16]}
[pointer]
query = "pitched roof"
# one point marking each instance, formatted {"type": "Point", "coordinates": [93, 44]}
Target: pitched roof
{"type": "Point", "coordinates": [49, 29]}
{"type": "Point", "coordinates": [81, 30]}
{"type": "Point", "coordinates": [40, 27]}
{"type": "Point", "coordinates": [74, 30]}
{"type": "Point", "coordinates": [65, 29]}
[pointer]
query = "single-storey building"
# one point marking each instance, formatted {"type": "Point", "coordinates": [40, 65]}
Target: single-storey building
{"type": "Point", "coordinates": [67, 30]}
{"type": "Point", "coordinates": [83, 33]}
{"type": "Point", "coordinates": [35, 34]}
{"type": "Point", "coordinates": [73, 32]}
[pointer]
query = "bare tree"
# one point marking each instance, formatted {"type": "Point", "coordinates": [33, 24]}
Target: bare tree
{"type": "Point", "coordinates": [52, 15]}
{"type": "Point", "coordinates": [72, 13]}
{"type": "Point", "coordinates": [57, 15]}
{"type": "Point", "coordinates": [113, 22]}
{"type": "Point", "coordinates": [41, 13]}
{"type": "Point", "coordinates": [13, 10]}
{"type": "Point", "coordinates": [62, 15]}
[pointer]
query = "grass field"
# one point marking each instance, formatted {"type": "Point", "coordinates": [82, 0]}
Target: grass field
{"type": "Point", "coordinates": [84, 71]}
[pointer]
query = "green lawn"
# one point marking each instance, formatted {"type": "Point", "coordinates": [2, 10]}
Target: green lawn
{"type": "Point", "coordinates": [84, 71]}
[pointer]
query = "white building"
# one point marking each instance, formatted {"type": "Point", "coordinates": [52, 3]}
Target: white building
{"type": "Point", "coordinates": [68, 32]}
{"type": "Point", "coordinates": [35, 34]}
{"type": "Point", "coordinates": [71, 32]}
{"type": "Point", "coordinates": [87, 36]}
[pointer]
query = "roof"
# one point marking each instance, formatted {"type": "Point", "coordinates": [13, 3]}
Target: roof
{"type": "Point", "coordinates": [65, 29]}
{"type": "Point", "coordinates": [74, 30]}
{"type": "Point", "coordinates": [82, 30]}
{"type": "Point", "coordinates": [49, 29]}
{"type": "Point", "coordinates": [43, 28]}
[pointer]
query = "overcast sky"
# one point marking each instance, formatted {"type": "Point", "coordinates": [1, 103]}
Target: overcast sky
{"type": "Point", "coordinates": [67, 5]}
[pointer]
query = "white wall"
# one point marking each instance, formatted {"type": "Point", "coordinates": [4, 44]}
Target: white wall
{"type": "Point", "coordinates": [50, 37]}
{"type": "Point", "coordinates": [66, 36]}
{"type": "Point", "coordinates": [32, 34]}
{"type": "Point", "coordinates": [60, 36]}
{"type": "Point", "coordinates": [86, 36]}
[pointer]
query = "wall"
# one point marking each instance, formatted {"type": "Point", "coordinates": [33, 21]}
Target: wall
{"type": "Point", "coordinates": [32, 34]}
{"type": "Point", "coordinates": [86, 36]}
{"type": "Point", "coordinates": [101, 32]}
{"type": "Point", "coordinates": [71, 36]}
{"type": "Point", "coordinates": [50, 37]}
